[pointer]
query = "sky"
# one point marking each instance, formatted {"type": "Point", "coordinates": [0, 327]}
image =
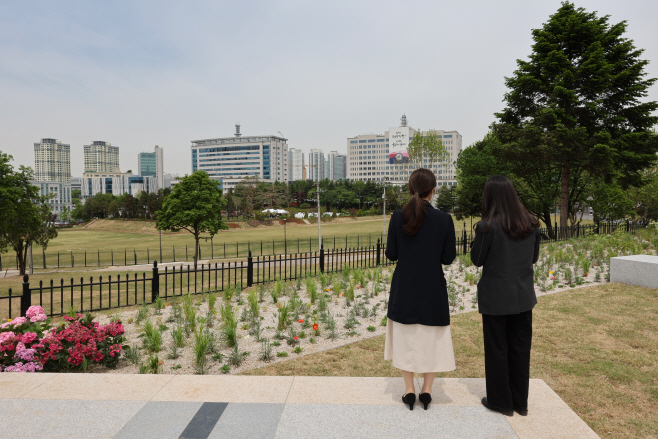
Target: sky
{"type": "Point", "coordinates": [144, 73]}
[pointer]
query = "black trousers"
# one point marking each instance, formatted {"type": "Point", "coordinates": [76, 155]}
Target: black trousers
{"type": "Point", "coordinates": [507, 342]}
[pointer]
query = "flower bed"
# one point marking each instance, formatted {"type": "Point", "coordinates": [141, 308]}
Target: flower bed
{"type": "Point", "coordinates": [233, 225]}
{"type": "Point", "coordinates": [254, 223]}
{"type": "Point", "coordinates": [32, 343]}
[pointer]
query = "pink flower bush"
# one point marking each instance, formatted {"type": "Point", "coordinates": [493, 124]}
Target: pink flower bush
{"type": "Point", "coordinates": [32, 343]}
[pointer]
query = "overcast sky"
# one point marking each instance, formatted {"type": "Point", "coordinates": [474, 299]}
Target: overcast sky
{"type": "Point", "coordinates": [144, 73]}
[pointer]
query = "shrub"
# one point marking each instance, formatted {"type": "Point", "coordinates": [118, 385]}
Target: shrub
{"type": "Point", "coordinates": [31, 343]}
{"type": "Point", "coordinates": [254, 223]}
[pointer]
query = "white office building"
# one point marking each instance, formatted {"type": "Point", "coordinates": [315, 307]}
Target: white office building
{"type": "Point", "coordinates": [295, 164]}
{"type": "Point", "coordinates": [230, 159]}
{"type": "Point", "coordinates": [52, 161]}
{"type": "Point", "coordinates": [59, 194]}
{"type": "Point", "coordinates": [116, 183]}
{"type": "Point", "coordinates": [372, 157]}
{"type": "Point", "coordinates": [101, 157]}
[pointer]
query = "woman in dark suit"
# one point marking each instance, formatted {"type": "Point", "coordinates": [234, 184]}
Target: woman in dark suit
{"type": "Point", "coordinates": [420, 239]}
{"type": "Point", "coordinates": [506, 245]}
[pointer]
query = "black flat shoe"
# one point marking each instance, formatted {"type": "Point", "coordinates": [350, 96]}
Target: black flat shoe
{"type": "Point", "coordinates": [521, 412]}
{"type": "Point", "coordinates": [425, 398]}
{"type": "Point", "coordinates": [409, 398]}
{"type": "Point", "coordinates": [496, 409]}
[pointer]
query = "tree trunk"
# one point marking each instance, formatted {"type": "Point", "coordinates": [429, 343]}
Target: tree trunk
{"type": "Point", "coordinates": [564, 197]}
{"type": "Point", "coordinates": [22, 257]}
{"type": "Point", "coordinates": [549, 227]}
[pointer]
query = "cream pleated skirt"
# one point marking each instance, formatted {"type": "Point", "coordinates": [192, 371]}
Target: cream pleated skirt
{"type": "Point", "coordinates": [419, 348]}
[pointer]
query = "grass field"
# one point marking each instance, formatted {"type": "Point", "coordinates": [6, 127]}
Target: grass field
{"type": "Point", "coordinates": [596, 347]}
{"type": "Point", "coordinates": [106, 242]}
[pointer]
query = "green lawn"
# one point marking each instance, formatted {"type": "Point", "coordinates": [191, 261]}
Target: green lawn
{"type": "Point", "coordinates": [107, 242]}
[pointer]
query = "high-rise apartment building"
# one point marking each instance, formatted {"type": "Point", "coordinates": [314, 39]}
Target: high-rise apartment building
{"type": "Point", "coordinates": [150, 164]}
{"type": "Point", "coordinates": [101, 157]}
{"type": "Point", "coordinates": [335, 166]}
{"type": "Point", "coordinates": [295, 164]}
{"type": "Point", "coordinates": [372, 157]}
{"type": "Point", "coordinates": [52, 161]}
{"type": "Point", "coordinates": [230, 159]}
{"type": "Point", "coordinates": [315, 165]}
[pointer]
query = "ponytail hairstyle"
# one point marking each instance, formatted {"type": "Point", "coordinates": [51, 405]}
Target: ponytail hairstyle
{"type": "Point", "coordinates": [501, 204]}
{"type": "Point", "coordinates": [421, 183]}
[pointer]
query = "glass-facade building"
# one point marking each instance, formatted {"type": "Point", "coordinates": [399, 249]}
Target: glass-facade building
{"type": "Point", "coordinates": [146, 164]}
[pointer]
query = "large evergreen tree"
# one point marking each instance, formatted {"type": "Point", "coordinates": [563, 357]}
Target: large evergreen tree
{"type": "Point", "coordinates": [575, 107]}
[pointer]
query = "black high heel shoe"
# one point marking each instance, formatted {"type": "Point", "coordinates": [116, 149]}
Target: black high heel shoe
{"type": "Point", "coordinates": [425, 398]}
{"type": "Point", "coordinates": [409, 398]}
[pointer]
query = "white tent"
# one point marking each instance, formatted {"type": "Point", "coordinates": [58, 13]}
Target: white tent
{"type": "Point", "coordinates": [281, 211]}
{"type": "Point", "coordinates": [299, 215]}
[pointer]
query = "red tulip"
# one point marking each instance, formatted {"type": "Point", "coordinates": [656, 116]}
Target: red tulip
{"type": "Point", "coordinates": [295, 337]}
{"type": "Point", "coordinates": [300, 321]}
{"type": "Point", "coordinates": [315, 327]}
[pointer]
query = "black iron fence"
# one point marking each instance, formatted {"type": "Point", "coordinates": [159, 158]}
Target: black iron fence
{"type": "Point", "coordinates": [165, 281]}
{"type": "Point", "coordinates": [207, 250]}
{"type": "Point", "coordinates": [109, 292]}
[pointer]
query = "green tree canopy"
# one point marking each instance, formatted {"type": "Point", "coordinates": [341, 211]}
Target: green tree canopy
{"type": "Point", "coordinates": [575, 106]}
{"type": "Point", "coordinates": [194, 205]}
{"type": "Point", "coordinates": [25, 218]}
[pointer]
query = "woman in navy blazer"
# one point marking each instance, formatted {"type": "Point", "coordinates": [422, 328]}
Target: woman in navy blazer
{"type": "Point", "coordinates": [506, 245]}
{"type": "Point", "coordinates": [420, 239]}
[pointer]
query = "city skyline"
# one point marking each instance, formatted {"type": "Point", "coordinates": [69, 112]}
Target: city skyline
{"type": "Point", "coordinates": [332, 70]}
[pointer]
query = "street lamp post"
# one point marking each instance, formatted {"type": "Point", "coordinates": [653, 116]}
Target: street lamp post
{"type": "Point", "coordinates": [384, 213]}
{"type": "Point", "coordinates": [319, 219]}
{"type": "Point", "coordinates": [285, 236]}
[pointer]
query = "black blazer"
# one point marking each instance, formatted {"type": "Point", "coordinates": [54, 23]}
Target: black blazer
{"type": "Point", "coordinates": [507, 285]}
{"type": "Point", "coordinates": [418, 290]}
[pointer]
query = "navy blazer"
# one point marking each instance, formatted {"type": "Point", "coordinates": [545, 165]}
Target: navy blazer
{"type": "Point", "coordinates": [418, 290]}
{"type": "Point", "coordinates": [507, 283]}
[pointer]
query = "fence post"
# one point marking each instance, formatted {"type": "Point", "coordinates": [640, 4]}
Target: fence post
{"type": "Point", "coordinates": [26, 298]}
{"type": "Point", "coordinates": [627, 226]}
{"type": "Point", "coordinates": [378, 251]}
{"type": "Point", "coordinates": [464, 240]}
{"type": "Point", "coordinates": [322, 258]}
{"type": "Point", "coordinates": [155, 283]}
{"type": "Point", "coordinates": [250, 270]}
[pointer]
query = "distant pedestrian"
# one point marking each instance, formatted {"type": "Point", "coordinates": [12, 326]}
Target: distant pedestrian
{"type": "Point", "coordinates": [420, 239]}
{"type": "Point", "coordinates": [506, 245]}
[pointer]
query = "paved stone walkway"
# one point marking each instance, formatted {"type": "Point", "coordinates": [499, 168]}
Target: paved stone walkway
{"type": "Point", "coordinates": [198, 407]}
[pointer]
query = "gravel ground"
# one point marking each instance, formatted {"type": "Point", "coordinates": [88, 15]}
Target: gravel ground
{"type": "Point", "coordinates": [462, 291]}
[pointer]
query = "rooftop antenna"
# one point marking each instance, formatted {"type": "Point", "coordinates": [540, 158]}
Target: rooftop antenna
{"type": "Point", "coordinates": [403, 120]}
{"type": "Point", "coordinates": [281, 134]}
{"type": "Point", "coordinates": [237, 130]}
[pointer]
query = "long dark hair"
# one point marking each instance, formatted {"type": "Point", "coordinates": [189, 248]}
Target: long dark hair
{"type": "Point", "coordinates": [501, 204]}
{"type": "Point", "coordinates": [421, 183]}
